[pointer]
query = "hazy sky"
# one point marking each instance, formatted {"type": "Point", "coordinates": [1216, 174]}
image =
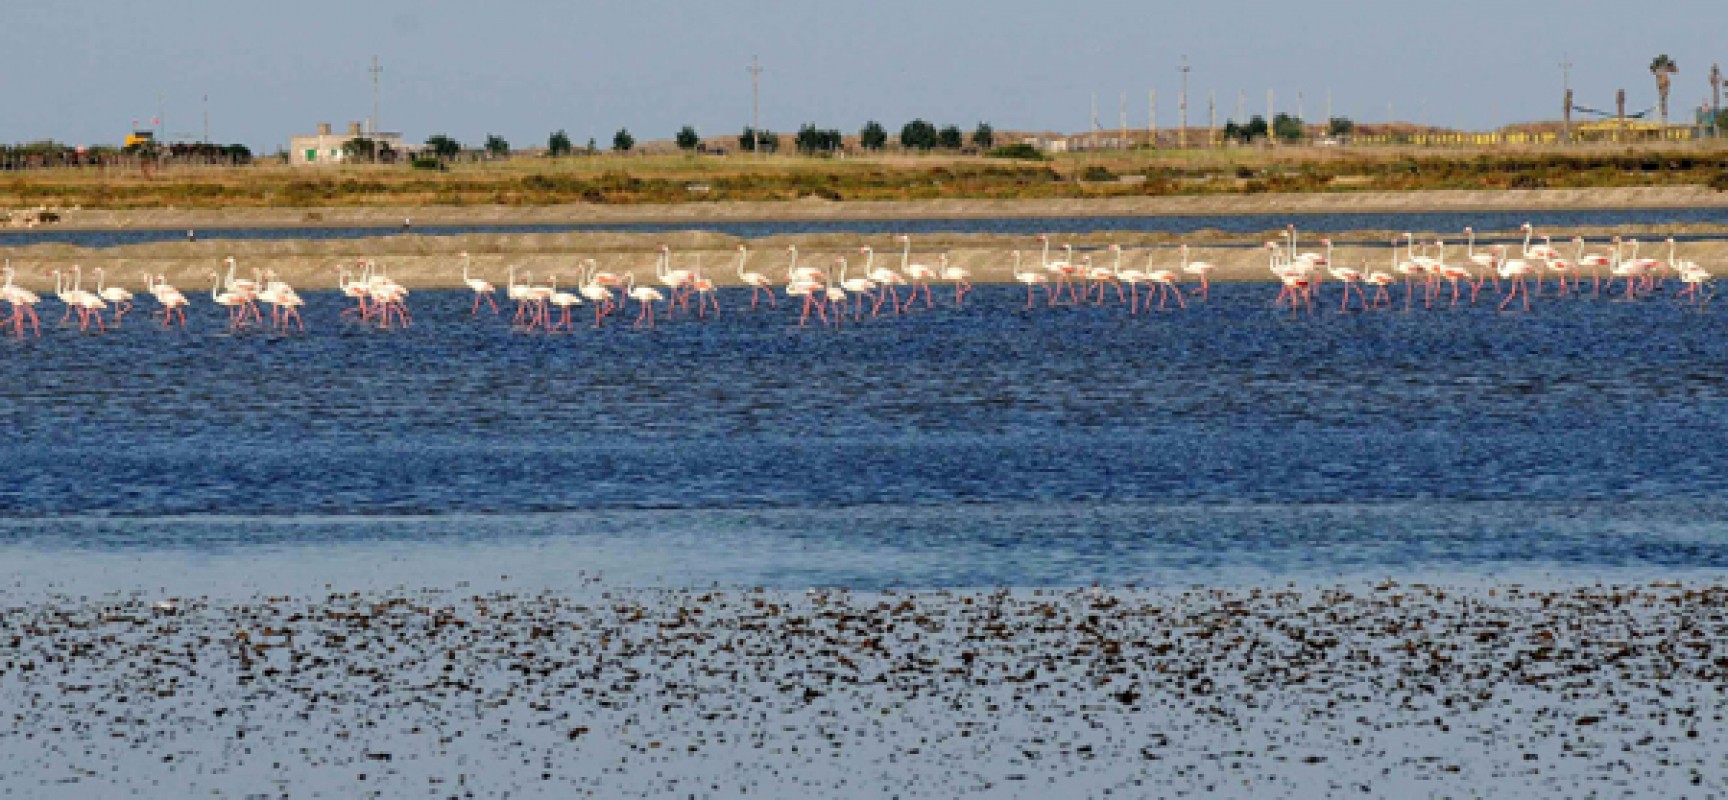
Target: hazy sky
{"type": "Point", "coordinates": [81, 72]}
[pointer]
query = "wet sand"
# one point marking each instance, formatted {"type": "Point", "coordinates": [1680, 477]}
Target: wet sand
{"type": "Point", "coordinates": [1375, 690]}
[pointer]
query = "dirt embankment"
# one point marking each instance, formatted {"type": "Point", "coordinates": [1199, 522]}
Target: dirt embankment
{"type": "Point", "coordinates": [811, 208]}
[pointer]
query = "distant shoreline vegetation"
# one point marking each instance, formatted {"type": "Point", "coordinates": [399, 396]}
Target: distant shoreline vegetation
{"type": "Point", "coordinates": [1012, 171]}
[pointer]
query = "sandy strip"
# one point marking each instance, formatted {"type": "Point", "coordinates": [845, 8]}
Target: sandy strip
{"type": "Point", "coordinates": [1385, 690]}
{"type": "Point", "coordinates": [432, 262]}
{"type": "Point", "coordinates": [813, 208]}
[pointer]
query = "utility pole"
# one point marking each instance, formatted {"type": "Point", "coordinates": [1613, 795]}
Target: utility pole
{"type": "Point", "coordinates": [755, 105]}
{"type": "Point", "coordinates": [376, 71]}
{"type": "Point", "coordinates": [1122, 119]}
{"type": "Point", "coordinates": [1182, 132]}
{"type": "Point", "coordinates": [206, 119]}
{"type": "Point", "coordinates": [1152, 115]}
{"type": "Point", "coordinates": [1212, 114]}
{"type": "Point", "coordinates": [1715, 100]}
{"type": "Point", "coordinates": [1566, 84]}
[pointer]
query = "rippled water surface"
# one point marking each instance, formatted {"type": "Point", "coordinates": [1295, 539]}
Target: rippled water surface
{"type": "Point", "coordinates": [950, 447]}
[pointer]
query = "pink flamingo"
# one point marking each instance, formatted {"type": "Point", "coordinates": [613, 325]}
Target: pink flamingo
{"type": "Point", "coordinates": [920, 275]}
{"type": "Point", "coordinates": [482, 290]}
{"type": "Point", "coordinates": [1031, 279]}
{"type": "Point", "coordinates": [758, 283]}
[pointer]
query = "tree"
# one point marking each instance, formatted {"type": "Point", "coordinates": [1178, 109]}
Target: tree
{"type": "Point", "coordinates": [559, 144]}
{"type": "Point", "coordinates": [1663, 67]}
{"type": "Point", "coordinates": [622, 141]}
{"type": "Point", "coordinates": [753, 140]}
{"type": "Point", "coordinates": [984, 137]}
{"type": "Point", "coordinates": [360, 149]}
{"type": "Point", "coordinates": [811, 139]}
{"type": "Point", "coordinates": [873, 136]}
{"type": "Point", "coordinates": [950, 138]}
{"type": "Point", "coordinates": [1287, 128]}
{"type": "Point", "coordinates": [443, 147]}
{"type": "Point", "coordinates": [687, 138]}
{"type": "Point", "coordinates": [918, 135]}
{"type": "Point", "coordinates": [496, 147]}
{"type": "Point", "coordinates": [1340, 126]}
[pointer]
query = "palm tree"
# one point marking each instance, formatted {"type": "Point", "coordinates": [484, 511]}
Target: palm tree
{"type": "Point", "coordinates": [1662, 67]}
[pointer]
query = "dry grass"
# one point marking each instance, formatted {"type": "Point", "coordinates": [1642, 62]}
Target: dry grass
{"type": "Point", "coordinates": [663, 179]}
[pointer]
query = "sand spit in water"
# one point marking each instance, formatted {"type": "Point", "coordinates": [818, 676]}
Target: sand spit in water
{"type": "Point", "coordinates": [1389, 690]}
{"type": "Point", "coordinates": [434, 262]}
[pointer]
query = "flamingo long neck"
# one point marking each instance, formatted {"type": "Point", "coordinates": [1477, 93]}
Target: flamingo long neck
{"type": "Point", "coordinates": [1670, 252]}
{"type": "Point", "coordinates": [1328, 251]}
{"type": "Point", "coordinates": [905, 253]}
{"type": "Point", "coordinates": [792, 268]}
{"type": "Point", "coordinates": [1439, 247]}
{"type": "Point", "coordinates": [1117, 265]}
{"type": "Point", "coordinates": [1068, 254]}
{"type": "Point", "coordinates": [1470, 243]}
{"type": "Point", "coordinates": [1184, 256]}
{"type": "Point", "coordinates": [1528, 232]}
{"type": "Point", "coordinates": [465, 260]}
{"type": "Point", "coordinates": [743, 255]}
{"type": "Point", "coordinates": [101, 281]}
{"type": "Point", "coordinates": [78, 276]}
{"type": "Point", "coordinates": [1045, 258]}
{"type": "Point", "coordinates": [1017, 262]}
{"type": "Point", "coordinates": [216, 289]}
{"type": "Point", "coordinates": [842, 261]}
{"type": "Point", "coordinates": [1394, 253]}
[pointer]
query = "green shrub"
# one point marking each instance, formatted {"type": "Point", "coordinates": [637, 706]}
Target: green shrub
{"type": "Point", "coordinates": [1096, 173]}
{"type": "Point", "coordinates": [1020, 151]}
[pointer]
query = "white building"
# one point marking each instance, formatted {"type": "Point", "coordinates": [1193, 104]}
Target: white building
{"type": "Point", "coordinates": [325, 147]}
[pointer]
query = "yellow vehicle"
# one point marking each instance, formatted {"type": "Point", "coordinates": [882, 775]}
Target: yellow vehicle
{"type": "Point", "coordinates": [140, 138]}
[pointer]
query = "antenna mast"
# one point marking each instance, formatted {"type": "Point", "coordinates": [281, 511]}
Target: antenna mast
{"type": "Point", "coordinates": [376, 105]}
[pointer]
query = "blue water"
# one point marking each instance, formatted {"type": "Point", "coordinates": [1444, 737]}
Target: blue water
{"type": "Point", "coordinates": [1017, 226]}
{"type": "Point", "coordinates": [949, 447]}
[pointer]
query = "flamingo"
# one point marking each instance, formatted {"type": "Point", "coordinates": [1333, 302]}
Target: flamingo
{"type": "Point", "coordinates": [89, 305]}
{"type": "Point", "coordinates": [920, 275]}
{"type": "Point", "coordinates": [646, 297]}
{"type": "Point", "coordinates": [676, 281]}
{"type": "Point", "coordinates": [1203, 271]}
{"type": "Point", "coordinates": [1629, 268]}
{"type": "Point", "coordinates": [1352, 279]}
{"type": "Point", "coordinates": [482, 290]}
{"type": "Point", "coordinates": [1411, 268]}
{"type": "Point", "coordinates": [522, 295]}
{"type": "Point", "coordinates": [758, 283]}
{"type": "Point", "coordinates": [1515, 271]}
{"type": "Point", "coordinates": [1595, 261]}
{"type": "Point", "coordinates": [1165, 282]}
{"type": "Point", "coordinates": [958, 276]}
{"type": "Point", "coordinates": [284, 303]}
{"type": "Point", "coordinates": [1031, 279]}
{"type": "Point", "coordinates": [1132, 277]}
{"type": "Point", "coordinates": [1452, 273]}
{"type": "Point", "coordinates": [121, 298]}
{"type": "Point", "coordinates": [806, 283]}
{"type": "Point", "coordinates": [1098, 276]}
{"type": "Point", "coordinates": [235, 303]}
{"type": "Point", "coordinates": [1485, 264]}
{"type": "Point", "coordinates": [859, 288]}
{"type": "Point", "coordinates": [563, 301]}
{"type": "Point", "coordinates": [596, 292]}
{"type": "Point", "coordinates": [1064, 270]}
{"type": "Point", "coordinates": [885, 278]}
{"type": "Point", "coordinates": [706, 291]}
{"type": "Point", "coordinates": [23, 302]}
{"type": "Point", "coordinates": [173, 302]}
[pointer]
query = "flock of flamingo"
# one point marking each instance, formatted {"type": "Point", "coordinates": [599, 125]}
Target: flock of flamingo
{"type": "Point", "coordinates": [832, 294]}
